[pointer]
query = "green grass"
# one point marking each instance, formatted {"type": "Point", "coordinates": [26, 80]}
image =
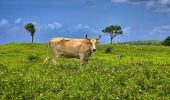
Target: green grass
{"type": "Point", "coordinates": [128, 72]}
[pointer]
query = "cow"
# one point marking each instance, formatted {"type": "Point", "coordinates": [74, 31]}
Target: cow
{"type": "Point", "coordinates": [72, 48]}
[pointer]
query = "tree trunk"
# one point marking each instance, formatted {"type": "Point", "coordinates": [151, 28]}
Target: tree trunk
{"type": "Point", "coordinates": [112, 35]}
{"type": "Point", "coordinates": [32, 38]}
{"type": "Point", "coordinates": [111, 39]}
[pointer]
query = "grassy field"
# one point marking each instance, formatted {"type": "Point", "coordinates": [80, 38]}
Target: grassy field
{"type": "Point", "coordinates": [129, 72]}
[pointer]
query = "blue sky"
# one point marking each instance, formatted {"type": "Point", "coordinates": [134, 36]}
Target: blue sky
{"type": "Point", "coordinates": [140, 19]}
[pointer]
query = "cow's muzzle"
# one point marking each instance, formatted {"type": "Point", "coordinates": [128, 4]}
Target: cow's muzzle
{"type": "Point", "coordinates": [94, 50]}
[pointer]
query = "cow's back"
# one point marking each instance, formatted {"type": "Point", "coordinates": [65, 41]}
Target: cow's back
{"type": "Point", "coordinates": [54, 41]}
{"type": "Point", "coordinates": [69, 47]}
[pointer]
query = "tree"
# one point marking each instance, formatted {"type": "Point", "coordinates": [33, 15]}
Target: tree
{"type": "Point", "coordinates": [113, 31]}
{"type": "Point", "coordinates": [166, 41]}
{"type": "Point", "coordinates": [30, 28]}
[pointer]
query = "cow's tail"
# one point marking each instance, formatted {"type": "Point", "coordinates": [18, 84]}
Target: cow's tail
{"type": "Point", "coordinates": [46, 59]}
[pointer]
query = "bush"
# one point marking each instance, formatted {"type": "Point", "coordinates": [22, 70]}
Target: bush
{"type": "Point", "coordinates": [33, 57]}
{"type": "Point", "coordinates": [108, 50]}
{"type": "Point", "coordinates": [166, 41]}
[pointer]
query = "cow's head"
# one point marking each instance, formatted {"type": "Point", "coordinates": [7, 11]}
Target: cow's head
{"type": "Point", "coordinates": [93, 42]}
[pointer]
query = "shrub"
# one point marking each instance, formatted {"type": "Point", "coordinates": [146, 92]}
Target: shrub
{"type": "Point", "coordinates": [166, 41]}
{"type": "Point", "coordinates": [33, 58]}
{"type": "Point", "coordinates": [108, 50]}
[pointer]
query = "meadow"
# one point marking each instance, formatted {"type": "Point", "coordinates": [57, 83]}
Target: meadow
{"type": "Point", "coordinates": [116, 71]}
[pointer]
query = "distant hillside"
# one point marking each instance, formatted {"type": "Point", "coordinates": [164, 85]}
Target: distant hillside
{"type": "Point", "coordinates": [147, 42]}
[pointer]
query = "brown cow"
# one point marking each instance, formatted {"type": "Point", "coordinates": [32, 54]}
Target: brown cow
{"type": "Point", "coordinates": [72, 48]}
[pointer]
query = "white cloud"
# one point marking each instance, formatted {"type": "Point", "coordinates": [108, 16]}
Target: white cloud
{"type": "Point", "coordinates": [150, 4]}
{"type": "Point", "coordinates": [160, 32]}
{"type": "Point", "coordinates": [85, 27]}
{"type": "Point", "coordinates": [4, 22]}
{"type": "Point", "coordinates": [119, 1]}
{"type": "Point", "coordinates": [54, 25]}
{"type": "Point", "coordinates": [51, 26]}
{"type": "Point", "coordinates": [46, 26]}
{"type": "Point", "coordinates": [18, 20]}
{"type": "Point", "coordinates": [164, 1]}
{"type": "Point", "coordinates": [165, 29]}
{"type": "Point", "coordinates": [80, 26]}
{"type": "Point", "coordinates": [157, 5]}
{"type": "Point", "coordinates": [35, 23]}
{"type": "Point", "coordinates": [160, 5]}
{"type": "Point", "coordinates": [127, 29]}
{"type": "Point", "coordinates": [130, 1]}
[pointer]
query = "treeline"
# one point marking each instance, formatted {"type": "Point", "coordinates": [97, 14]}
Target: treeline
{"type": "Point", "coordinates": [165, 42]}
{"type": "Point", "coordinates": [146, 42]}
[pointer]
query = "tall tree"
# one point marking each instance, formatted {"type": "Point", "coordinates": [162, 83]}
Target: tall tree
{"type": "Point", "coordinates": [30, 28]}
{"type": "Point", "coordinates": [113, 31]}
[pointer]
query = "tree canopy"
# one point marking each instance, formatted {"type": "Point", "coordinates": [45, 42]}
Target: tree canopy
{"type": "Point", "coordinates": [31, 28]}
{"type": "Point", "coordinates": [113, 31]}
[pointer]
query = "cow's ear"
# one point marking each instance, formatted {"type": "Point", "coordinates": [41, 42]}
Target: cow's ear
{"type": "Point", "coordinates": [97, 42]}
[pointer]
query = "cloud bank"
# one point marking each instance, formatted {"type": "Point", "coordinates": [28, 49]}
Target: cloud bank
{"type": "Point", "coordinates": [157, 5]}
{"type": "Point", "coordinates": [164, 29]}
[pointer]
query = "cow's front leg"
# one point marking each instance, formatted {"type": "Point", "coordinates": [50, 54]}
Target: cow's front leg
{"type": "Point", "coordinates": [56, 55]}
{"type": "Point", "coordinates": [81, 60]}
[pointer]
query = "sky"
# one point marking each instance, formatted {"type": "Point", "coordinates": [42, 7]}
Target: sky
{"type": "Point", "coordinates": [139, 19]}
